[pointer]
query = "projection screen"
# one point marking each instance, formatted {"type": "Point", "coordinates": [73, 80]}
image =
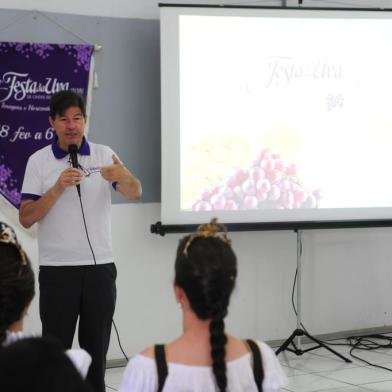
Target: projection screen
{"type": "Point", "coordinates": [275, 115]}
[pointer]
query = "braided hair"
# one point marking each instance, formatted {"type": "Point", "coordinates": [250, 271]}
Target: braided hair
{"type": "Point", "coordinates": [16, 283]}
{"type": "Point", "coordinates": [206, 269]}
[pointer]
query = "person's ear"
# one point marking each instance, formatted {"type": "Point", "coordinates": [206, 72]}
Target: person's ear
{"type": "Point", "coordinates": [180, 295]}
{"type": "Point", "coordinates": [177, 293]}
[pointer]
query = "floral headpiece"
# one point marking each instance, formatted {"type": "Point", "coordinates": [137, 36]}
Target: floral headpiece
{"type": "Point", "coordinates": [8, 236]}
{"type": "Point", "coordinates": [212, 229]}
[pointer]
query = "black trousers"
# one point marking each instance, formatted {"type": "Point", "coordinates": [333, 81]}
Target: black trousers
{"type": "Point", "coordinates": [87, 292]}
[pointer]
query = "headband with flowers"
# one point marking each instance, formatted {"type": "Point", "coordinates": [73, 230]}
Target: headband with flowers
{"type": "Point", "coordinates": [212, 229]}
{"type": "Point", "coordinates": [8, 236]}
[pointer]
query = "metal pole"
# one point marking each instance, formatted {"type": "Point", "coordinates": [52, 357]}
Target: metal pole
{"type": "Point", "coordinates": [299, 273]}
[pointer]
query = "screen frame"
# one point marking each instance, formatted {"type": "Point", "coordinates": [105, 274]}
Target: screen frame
{"type": "Point", "coordinates": [171, 226]}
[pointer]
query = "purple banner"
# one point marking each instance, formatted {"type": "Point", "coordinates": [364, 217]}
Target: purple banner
{"type": "Point", "coordinates": [29, 75]}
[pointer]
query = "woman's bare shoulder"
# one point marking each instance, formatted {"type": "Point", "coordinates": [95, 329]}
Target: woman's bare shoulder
{"type": "Point", "coordinates": [235, 348]}
{"type": "Point", "coordinates": [148, 352]}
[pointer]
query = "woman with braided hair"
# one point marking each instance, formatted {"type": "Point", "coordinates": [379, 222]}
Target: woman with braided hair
{"type": "Point", "coordinates": [205, 358]}
{"type": "Point", "coordinates": [17, 289]}
{"type": "Point", "coordinates": [16, 285]}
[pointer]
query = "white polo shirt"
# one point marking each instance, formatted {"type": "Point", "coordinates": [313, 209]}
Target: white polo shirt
{"type": "Point", "coordinates": [62, 239]}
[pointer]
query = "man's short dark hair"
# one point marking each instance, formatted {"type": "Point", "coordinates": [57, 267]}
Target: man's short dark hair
{"type": "Point", "coordinates": [63, 100]}
{"type": "Point", "coordinates": [38, 365]}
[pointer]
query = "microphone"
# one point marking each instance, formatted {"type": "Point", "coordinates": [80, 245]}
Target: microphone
{"type": "Point", "coordinates": [73, 154]}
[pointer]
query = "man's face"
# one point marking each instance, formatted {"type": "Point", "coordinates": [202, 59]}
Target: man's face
{"type": "Point", "coordinates": [69, 127]}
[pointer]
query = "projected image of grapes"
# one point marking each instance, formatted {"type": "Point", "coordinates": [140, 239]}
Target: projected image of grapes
{"type": "Point", "coordinates": [269, 182]}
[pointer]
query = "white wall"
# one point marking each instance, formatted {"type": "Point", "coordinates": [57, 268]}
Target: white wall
{"type": "Point", "coordinates": [148, 9]}
{"type": "Point", "coordinates": [347, 281]}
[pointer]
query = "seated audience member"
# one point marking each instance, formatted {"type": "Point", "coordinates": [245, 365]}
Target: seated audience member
{"type": "Point", "coordinates": [205, 358]}
{"type": "Point", "coordinates": [38, 365]}
{"type": "Point", "coordinates": [17, 291]}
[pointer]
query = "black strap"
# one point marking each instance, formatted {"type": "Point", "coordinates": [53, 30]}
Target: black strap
{"type": "Point", "coordinates": [258, 370]}
{"type": "Point", "coordinates": [160, 360]}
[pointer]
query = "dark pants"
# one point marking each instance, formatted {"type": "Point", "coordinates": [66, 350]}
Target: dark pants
{"type": "Point", "coordinates": [87, 292]}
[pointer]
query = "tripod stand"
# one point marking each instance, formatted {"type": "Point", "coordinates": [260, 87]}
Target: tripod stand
{"type": "Point", "coordinates": [299, 331]}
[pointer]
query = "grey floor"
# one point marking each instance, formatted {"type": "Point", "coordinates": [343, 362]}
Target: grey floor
{"type": "Point", "coordinates": [320, 370]}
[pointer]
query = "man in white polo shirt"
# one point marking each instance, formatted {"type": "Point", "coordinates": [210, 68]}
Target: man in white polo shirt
{"type": "Point", "coordinates": [77, 272]}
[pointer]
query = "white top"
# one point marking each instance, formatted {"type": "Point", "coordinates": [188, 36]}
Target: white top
{"type": "Point", "coordinates": [62, 238]}
{"type": "Point", "coordinates": [81, 360]}
{"type": "Point", "coordinates": [79, 357]}
{"type": "Point", "coordinates": [141, 375]}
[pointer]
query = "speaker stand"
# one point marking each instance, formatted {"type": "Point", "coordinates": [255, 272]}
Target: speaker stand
{"type": "Point", "coordinates": [299, 331]}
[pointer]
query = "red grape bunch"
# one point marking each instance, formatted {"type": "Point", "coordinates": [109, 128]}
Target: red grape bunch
{"type": "Point", "coordinates": [268, 184]}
